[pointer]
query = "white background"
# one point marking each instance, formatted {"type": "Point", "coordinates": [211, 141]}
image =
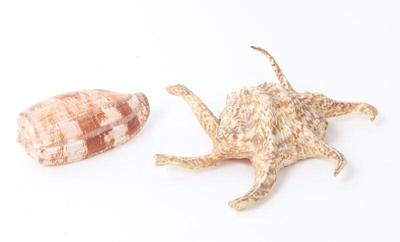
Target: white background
{"type": "Point", "coordinates": [349, 50]}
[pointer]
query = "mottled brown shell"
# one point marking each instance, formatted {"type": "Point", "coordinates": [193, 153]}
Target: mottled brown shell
{"type": "Point", "coordinates": [77, 125]}
{"type": "Point", "coordinates": [272, 125]}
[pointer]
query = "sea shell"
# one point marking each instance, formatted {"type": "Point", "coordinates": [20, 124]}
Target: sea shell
{"type": "Point", "coordinates": [77, 125]}
{"type": "Point", "coordinates": [270, 124]}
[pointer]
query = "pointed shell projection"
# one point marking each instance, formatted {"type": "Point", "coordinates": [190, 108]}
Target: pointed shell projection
{"type": "Point", "coordinates": [77, 125]}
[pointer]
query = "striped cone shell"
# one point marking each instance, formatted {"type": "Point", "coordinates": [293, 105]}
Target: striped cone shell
{"type": "Point", "coordinates": [77, 125]}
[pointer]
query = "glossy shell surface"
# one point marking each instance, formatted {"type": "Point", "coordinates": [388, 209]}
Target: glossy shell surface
{"type": "Point", "coordinates": [77, 125]}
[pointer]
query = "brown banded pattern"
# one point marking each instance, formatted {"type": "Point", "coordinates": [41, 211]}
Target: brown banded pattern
{"type": "Point", "coordinates": [77, 125]}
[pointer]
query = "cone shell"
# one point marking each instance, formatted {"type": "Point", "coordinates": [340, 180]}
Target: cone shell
{"type": "Point", "coordinates": [77, 125]}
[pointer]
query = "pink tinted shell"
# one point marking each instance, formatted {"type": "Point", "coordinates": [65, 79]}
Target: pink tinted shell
{"type": "Point", "coordinates": [77, 125]}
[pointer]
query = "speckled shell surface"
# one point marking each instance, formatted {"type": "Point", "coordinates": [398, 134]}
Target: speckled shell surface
{"type": "Point", "coordinates": [270, 124]}
{"type": "Point", "coordinates": [77, 125]}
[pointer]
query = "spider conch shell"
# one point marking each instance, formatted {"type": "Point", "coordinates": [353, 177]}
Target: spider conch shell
{"type": "Point", "coordinates": [77, 125]}
{"type": "Point", "coordinates": [270, 124]}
